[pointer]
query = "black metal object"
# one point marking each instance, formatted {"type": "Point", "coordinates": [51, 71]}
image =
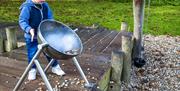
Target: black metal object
{"type": "Point", "coordinates": [63, 42]}
{"type": "Point", "coordinates": [139, 62]}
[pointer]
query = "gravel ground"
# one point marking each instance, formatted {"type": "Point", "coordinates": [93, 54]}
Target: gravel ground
{"type": "Point", "coordinates": [162, 69]}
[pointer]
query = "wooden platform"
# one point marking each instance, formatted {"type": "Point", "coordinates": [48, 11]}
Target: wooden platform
{"type": "Point", "coordinates": [95, 61]}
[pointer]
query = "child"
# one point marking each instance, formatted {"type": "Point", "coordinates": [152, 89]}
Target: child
{"type": "Point", "coordinates": [32, 13]}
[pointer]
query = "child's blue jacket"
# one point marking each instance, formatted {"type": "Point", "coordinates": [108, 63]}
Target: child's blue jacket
{"type": "Point", "coordinates": [31, 16]}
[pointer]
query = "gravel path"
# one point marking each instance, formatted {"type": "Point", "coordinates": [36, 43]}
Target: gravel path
{"type": "Point", "coordinates": [162, 69]}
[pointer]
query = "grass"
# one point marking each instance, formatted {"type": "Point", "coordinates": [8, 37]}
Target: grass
{"type": "Point", "coordinates": [162, 20]}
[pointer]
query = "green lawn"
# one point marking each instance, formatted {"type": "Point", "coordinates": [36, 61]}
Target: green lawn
{"type": "Point", "coordinates": [161, 20]}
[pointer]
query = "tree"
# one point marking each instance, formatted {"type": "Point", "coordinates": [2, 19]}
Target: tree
{"type": "Point", "coordinates": [138, 11]}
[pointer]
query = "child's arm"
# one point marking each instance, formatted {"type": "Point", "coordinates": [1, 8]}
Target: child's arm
{"type": "Point", "coordinates": [24, 19]}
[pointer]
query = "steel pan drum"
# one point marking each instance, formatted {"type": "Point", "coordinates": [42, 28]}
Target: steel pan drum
{"type": "Point", "coordinates": [63, 42]}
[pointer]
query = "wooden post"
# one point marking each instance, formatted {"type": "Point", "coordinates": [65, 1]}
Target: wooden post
{"type": "Point", "coordinates": [104, 82]}
{"type": "Point", "coordinates": [11, 38]}
{"type": "Point", "coordinates": [1, 42]}
{"type": "Point", "coordinates": [127, 49]}
{"type": "Point", "coordinates": [138, 11]}
{"type": "Point", "coordinates": [124, 26]}
{"type": "Point", "coordinates": [117, 66]}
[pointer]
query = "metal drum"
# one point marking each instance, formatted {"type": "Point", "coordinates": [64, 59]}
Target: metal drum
{"type": "Point", "coordinates": [63, 42]}
{"type": "Point", "coordinates": [60, 42]}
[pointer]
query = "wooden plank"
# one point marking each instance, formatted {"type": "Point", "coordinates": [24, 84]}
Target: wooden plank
{"type": "Point", "coordinates": [93, 37]}
{"type": "Point", "coordinates": [5, 61]}
{"type": "Point", "coordinates": [21, 50]}
{"type": "Point", "coordinates": [6, 24]}
{"type": "Point", "coordinates": [87, 45]}
{"type": "Point", "coordinates": [98, 42]}
{"type": "Point", "coordinates": [115, 45]}
{"type": "Point", "coordinates": [11, 66]}
{"type": "Point", "coordinates": [81, 32]}
{"type": "Point", "coordinates": [110, 43]}
{"type": "Point", "coordinates": [14, 72]}
{"type": "Point", "coordinates": [7, 83]}
{"type": "Point", "coordinates": [104, 43]}
{"type": "Point", "coordinates": [88, 34]}
{"type": "Point", "coordinates": [84, 33]}
{"type": "Point", "coordinates": [3, 88]}
{"type": "Point", "coordinates": [17, 56]}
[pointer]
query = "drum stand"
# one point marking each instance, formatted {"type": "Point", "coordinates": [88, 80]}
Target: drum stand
{"type": "Point", "coordinates": [42, 73]}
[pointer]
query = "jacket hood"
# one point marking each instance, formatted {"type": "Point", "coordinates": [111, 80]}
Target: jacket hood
{"type": "Point", "coordinates": [27, 3]}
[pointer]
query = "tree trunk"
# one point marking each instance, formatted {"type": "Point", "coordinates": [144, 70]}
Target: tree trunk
{"type": "Point", "coordinates": [138, 11]}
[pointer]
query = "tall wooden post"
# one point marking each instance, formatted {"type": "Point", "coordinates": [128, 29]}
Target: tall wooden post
{"type": "Point", "coordinates": [127, 49]}
{"type": "Point", "coordinates": [11, 38]}
{"type": "Point", "coordinates": [138, 11]}
{"type": "Point", "coordinates": [1, 42]}
{"type": "Point", "coordinates": [117, 66]}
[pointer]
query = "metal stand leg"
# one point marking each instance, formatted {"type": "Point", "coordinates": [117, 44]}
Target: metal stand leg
{"type": "Point", "coordinates": [88, 85]}
{"type": "Point", "coordinates": [26, 71]}
{"type": "Point", "coordinates": [49, 64]}
{"type": "Point", "coordinates": [40, 47]}
{"type": "Point", "coordinates": [43, 75]}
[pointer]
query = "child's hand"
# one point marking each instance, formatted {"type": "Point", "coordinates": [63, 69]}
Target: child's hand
{"type": "Point", "coordinates": [32, 34]}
